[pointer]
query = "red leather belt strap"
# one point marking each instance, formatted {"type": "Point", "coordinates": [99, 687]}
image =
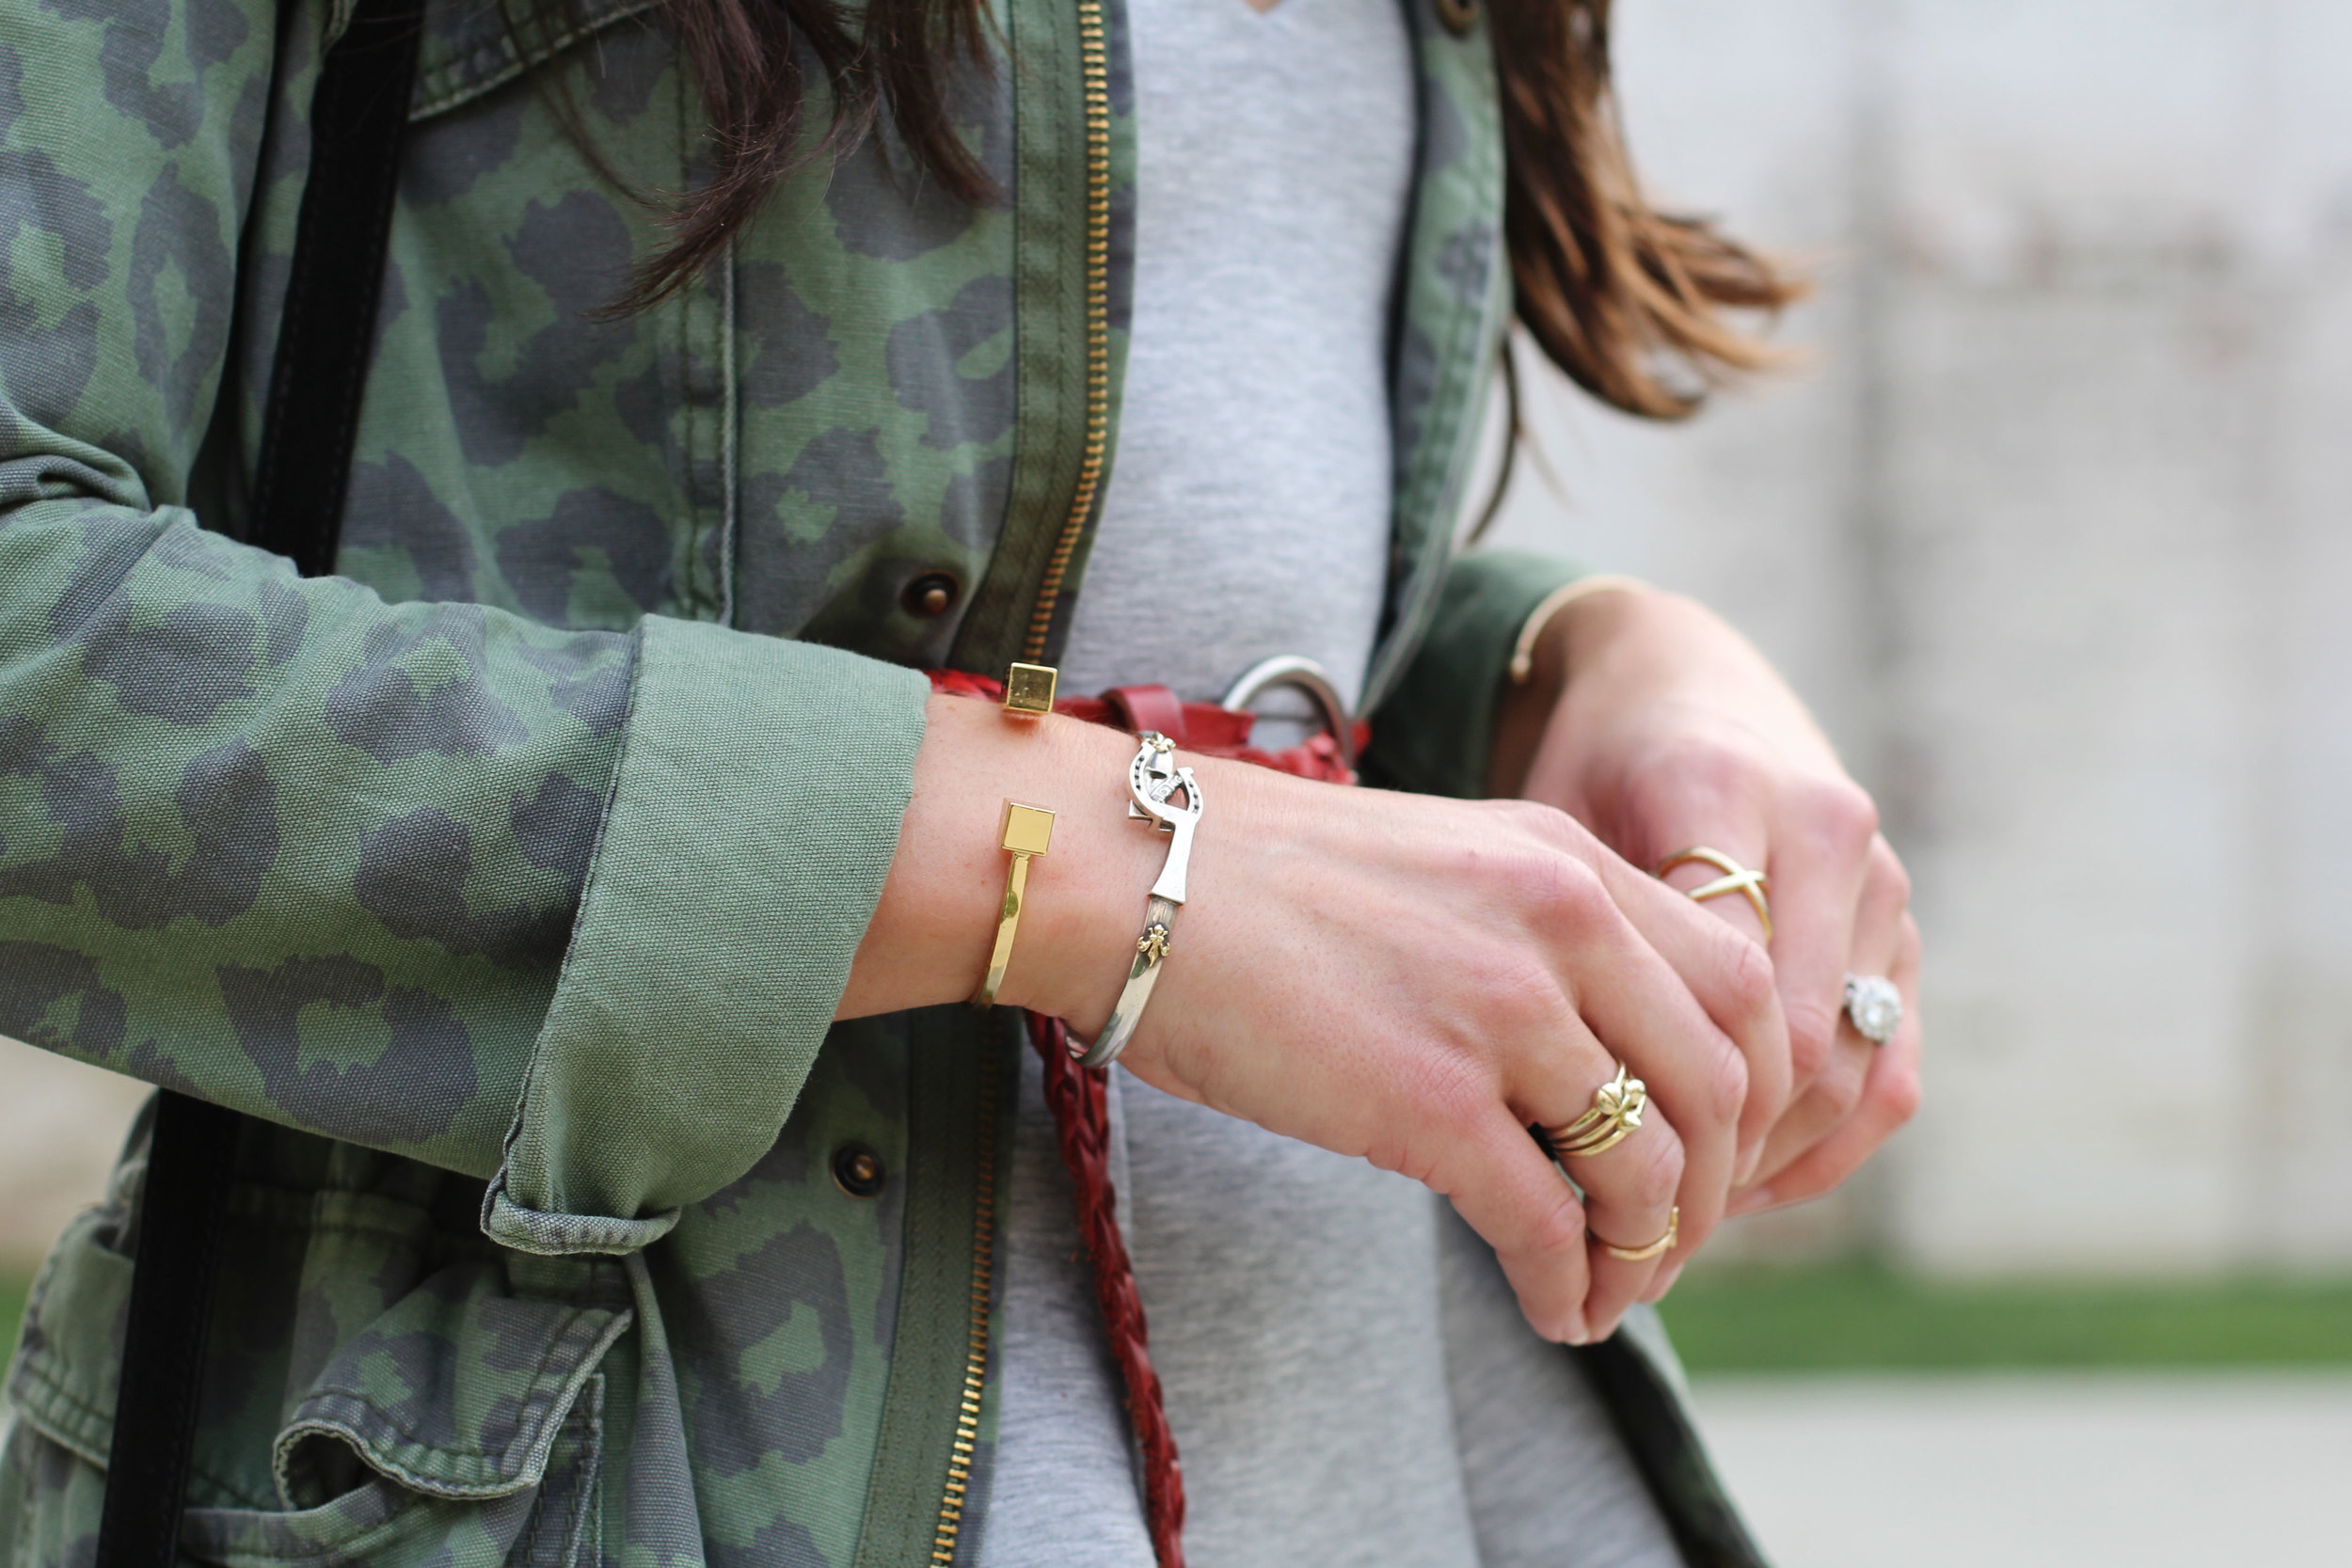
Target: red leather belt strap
{"type": "Point", "coordinates": [1201, 728]}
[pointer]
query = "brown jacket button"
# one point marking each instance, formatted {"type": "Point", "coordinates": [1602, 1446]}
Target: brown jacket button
{"type": "Point", "coordinates": [930, 594]}
{"type": "Point", "coordinates": [857, 1170]}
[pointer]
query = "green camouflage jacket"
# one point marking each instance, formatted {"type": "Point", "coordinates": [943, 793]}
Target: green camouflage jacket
{"type": "Point", "coordinates": [510, 877]}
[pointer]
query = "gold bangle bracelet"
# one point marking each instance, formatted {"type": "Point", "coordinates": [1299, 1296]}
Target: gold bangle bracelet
{"type": "Point", "coordinates": [1026, 833]}
{"type": "Point", "coordinates": [1522, 667]}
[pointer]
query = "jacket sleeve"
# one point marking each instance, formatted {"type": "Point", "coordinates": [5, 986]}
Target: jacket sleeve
{"type": "Point", "coordinates": [569, 910]}
{"type": "Point", "coordinates": [1435, 731]}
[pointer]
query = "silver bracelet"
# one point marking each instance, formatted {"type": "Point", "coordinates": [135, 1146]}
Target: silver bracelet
{"type": "Point", "coordinates": [1152, 778]}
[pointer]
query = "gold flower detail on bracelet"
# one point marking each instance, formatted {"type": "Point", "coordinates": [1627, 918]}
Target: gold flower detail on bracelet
{"type": "Point", "coordinates": [1153, 944]}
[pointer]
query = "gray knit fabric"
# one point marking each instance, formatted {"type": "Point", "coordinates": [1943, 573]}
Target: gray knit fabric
{"type": "Point", "coordinates": [1346, 1371]}
{"type": "Point", "coordinates": [1248, 513]}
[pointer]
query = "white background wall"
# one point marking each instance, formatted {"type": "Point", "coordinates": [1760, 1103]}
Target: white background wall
{"type": "Point", "coordinates": [2055, 535]}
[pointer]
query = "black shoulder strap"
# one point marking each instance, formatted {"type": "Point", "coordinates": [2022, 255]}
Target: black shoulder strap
{"type": "Point", "coordinates": [191, 1155]}
{"type": "Point", "coordinates": [327, 329]}
{"type": "Point", "coordinates": [357, 113]}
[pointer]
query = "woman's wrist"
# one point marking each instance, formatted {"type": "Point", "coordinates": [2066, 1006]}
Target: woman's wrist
{"type": "Point", "coordinates": [932, 931]}
{"type": "Point", "coordinates": [1569, 637]}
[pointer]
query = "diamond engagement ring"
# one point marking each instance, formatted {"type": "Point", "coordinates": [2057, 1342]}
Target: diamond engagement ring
{"type": "Point", "coordinates": [1875, 1006]}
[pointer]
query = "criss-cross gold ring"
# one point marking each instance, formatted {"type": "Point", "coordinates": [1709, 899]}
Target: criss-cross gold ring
{"type": "Point", "coordinates": [1735, 879]}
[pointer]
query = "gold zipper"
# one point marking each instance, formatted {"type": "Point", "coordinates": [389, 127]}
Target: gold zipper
{"type": "Point", "coordinates": [1095, 69]}
{"type": "Point", "coordinates": [976, 1335]}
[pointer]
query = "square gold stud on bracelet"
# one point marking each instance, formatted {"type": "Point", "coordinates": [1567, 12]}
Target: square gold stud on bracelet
{"type": "Point", "coordinates": [1029, 690]}
{"type": "Point", "coordinates": [1028, 830]}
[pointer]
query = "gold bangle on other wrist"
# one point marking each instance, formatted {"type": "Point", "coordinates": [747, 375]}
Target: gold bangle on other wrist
{"type": "Point", "coordinates": [1028, 833]}
{"type": "Point", "coordinates": [1531, 630]}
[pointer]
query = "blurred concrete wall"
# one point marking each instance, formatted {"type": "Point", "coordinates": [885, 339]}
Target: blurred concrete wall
{"type": "Point", "coordinates": [61, 1124]}
{"type": "Point", "coordinates": [2055, 536]}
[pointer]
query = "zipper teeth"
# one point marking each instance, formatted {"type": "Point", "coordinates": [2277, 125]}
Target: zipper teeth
{"type": "Point", "coordinates": [1094, 64]}
{"type": "Point", "coordinates": [1095, 72]}
{"type": "Point", "coordinates": [976, 1338]}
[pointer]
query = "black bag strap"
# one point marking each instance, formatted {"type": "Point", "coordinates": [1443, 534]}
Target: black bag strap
{"type": "Point", "coordinates": [358, 114]}
{"type": "Point", "coordinates": [191, 1155]}
{"type": "Point", "coordinates": [327, 328]}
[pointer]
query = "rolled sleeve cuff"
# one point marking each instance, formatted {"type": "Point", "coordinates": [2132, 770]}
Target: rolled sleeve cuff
{"type": "Point", "coordinates": [754, 810]}
{"type": "Point", "coordinates": [1435, 734]}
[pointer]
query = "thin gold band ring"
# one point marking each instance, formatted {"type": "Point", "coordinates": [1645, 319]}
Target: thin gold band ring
{"type": "Point", "coordinates": [1735, 879]}
{"type": "Point", "coordinates": [1644, 1254]}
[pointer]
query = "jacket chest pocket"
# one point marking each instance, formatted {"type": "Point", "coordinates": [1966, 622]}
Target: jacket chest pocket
{"type": "Point", "coordinates": [461, 1423]}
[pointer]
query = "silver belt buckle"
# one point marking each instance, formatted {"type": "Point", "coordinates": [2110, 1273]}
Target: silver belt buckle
{"type": "Point", "coordinates": [1300, 674]}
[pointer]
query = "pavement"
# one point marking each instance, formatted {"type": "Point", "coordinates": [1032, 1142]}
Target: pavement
{"type": "Point", "coordinates": [2041, 1470]}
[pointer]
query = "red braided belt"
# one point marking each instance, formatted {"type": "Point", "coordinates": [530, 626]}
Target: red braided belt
{"type": "Point", "coordinates": [1200, 727]}
{"type": "Point", "coordinates": [1077, 1095]}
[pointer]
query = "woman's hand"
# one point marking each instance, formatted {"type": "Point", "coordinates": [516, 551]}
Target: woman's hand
{"type": "Point", "coordinates": [1656, 725]}
{"type": "Point", "coordinates": [1410, 980]}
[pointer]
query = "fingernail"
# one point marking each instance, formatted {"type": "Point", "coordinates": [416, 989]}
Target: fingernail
{"type": "Point", "coordinates": [1664, 1282]}
{"type": "Point", "coordinates": [1749, 1160]}
{"type": "Point", "coordinates": [1576, 1335]}
{"type": "Point", "coordinates": [1750, 1201]}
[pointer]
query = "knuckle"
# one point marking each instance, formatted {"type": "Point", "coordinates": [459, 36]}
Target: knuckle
{"type": "Point", "coordinates": [1725, 1087]}
{"type": "Point", "coordinates": [1812, 1034]}
{"type": "Point", "coordinates": [1714, 766]}
{"type": "Point", "coordinates": [1900, 1094]}
{"type": "Point", "coordinates": [1748, 980]}
{"type": "Point", "coordinates": [1888, 871]}
{"type": "Point", "coordinates": [1840, 1090]}
{"type": "Point", "coordinates": [1841, 811]}
{"type": "Point", "coordinates": [1654, 1175]}
{"type": "Point", "coordinates": [1559, 1227]}
{"type": "Point", "coordinates": [1564, 891]}
{"type": "Point", "coordinates": [1521, 1000]}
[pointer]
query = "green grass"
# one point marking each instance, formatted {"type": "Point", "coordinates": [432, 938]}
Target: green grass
{"type": "Point", "coordinates": [1858, 1315]}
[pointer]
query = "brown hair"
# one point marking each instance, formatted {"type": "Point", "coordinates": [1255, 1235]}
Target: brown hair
{"type": "Point", "coordinates": [747, 58]}
{"type": "Point", "coordinates": [1627, 299]}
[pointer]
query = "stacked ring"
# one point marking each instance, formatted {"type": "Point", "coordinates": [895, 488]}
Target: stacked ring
{"type": "Point", "coordinates": [1618, 1107]}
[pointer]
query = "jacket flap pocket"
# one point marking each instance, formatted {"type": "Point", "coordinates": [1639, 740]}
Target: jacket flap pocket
{"type": "Point", "coordinates": [68, 1352]}
{"type": "Point", "coordinates": [468, 48]}
{"type": "Point", "coordinates": [458, 1391]}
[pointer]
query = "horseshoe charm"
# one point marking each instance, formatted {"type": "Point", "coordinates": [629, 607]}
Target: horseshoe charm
{"type": "Point", "coordinates": [1152, 778]}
